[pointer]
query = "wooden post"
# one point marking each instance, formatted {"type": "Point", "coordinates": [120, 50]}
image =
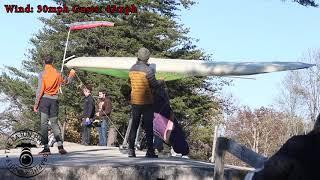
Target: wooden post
{"type": "Point", "coordinates": [214, 142]}
{"type": "Point", "coordinates": [221, 147]}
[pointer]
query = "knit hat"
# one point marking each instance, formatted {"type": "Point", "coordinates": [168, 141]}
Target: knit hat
{"type": "Point", "coordinates": [143, 54]}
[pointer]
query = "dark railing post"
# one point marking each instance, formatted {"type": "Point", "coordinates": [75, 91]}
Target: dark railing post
{"type": "Point", "coordinates": [221, 147]}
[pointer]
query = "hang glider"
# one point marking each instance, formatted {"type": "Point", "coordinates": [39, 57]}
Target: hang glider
{"type": "Point", "coordinates": [172, 69]}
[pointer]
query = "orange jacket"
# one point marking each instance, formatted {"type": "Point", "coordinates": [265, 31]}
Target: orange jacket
{"type": "Point", "coordinates": [50, 81]}
{"type": "Point", "coordinates": [142, 79]}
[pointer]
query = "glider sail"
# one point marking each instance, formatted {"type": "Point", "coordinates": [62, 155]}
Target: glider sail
{"type": "Point", "coordinates": [172, 69]}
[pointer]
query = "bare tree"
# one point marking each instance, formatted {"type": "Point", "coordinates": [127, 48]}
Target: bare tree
{"type": "Point", "coordinates": [311, 3]}
{"type": "Point", "coordinates": [263, 130]}
{"type": "Point", "coordinates": [300, 89]}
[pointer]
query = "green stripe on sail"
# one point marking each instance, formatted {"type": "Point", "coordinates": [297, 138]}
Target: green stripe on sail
{"type": "Point", "coordinates": [120, 73]}
{"type": "Point", "coordinates": [124, 74]}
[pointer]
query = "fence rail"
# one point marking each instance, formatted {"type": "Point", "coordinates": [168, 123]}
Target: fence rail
{"type": "Point", "coordinates": [240, 151]}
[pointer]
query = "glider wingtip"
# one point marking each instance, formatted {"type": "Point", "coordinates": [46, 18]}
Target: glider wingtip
{"type": "Point", "coordinates": [307, 65]}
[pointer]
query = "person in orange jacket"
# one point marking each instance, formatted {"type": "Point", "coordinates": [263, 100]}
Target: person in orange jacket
{"type": "Point", "coordinates": [143, 81]}
{"type": "Point", "coordinates": [49, 83]}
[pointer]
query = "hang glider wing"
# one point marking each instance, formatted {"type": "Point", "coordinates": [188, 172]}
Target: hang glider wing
{"type": "Point", "coordinates": [172, 69]}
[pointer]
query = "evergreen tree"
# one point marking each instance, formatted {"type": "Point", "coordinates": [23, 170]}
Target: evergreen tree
{"type": "Point", "coordinates": [311, 3]}
{"type": "Point", "coordinates": [154, 27]}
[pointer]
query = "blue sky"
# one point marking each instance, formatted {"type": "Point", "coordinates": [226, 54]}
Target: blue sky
{"type": "Point", "coordinates": [16, 31]}
{"type": "Point", "coordinates": [254, 30]}
{"type": "Point", "coordinates": [246, 30]}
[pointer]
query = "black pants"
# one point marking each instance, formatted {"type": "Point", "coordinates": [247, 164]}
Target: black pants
{"type": "Point", "coordinates": [49, 112]}
{"type": "Point", "coordinates": [147, 116]}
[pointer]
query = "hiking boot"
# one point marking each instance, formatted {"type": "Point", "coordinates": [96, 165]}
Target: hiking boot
{"type": "Point", "coordinates": [151, 154]}
{"type": "Point", "coordinates": [45, 151]}
{"type": "Point", "coordinates": [62, 150]}
{"type": "Point", "coordinates": [131, 153]}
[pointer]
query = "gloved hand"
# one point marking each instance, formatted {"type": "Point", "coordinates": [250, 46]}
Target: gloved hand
{"type": "Point", "coordinates": [161, 81]}
{"type": "Point", "coordinates": [72, 73]}
{"type": "Point", "coordinates": [88, 122]}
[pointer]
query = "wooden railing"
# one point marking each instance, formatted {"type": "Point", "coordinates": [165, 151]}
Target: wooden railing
{"type": "Point", "coordinates": [243, 153]}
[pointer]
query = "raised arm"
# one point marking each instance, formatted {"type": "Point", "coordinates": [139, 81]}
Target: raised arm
{"type": "Point", "coordinates": [152, 78]}
{"type": "Point", "coordinates": [69, 79]}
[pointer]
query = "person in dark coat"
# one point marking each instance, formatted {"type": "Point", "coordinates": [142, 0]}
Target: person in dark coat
{"type": "Point", "coordinates": [88, 115]}
{"type": "Point", "coordinates": [297, 159]}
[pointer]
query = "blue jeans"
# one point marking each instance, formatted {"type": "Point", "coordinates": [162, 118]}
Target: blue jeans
{"type": "Point", "coordinates": [85, 133]}
{"type": "Point", "coordinates": [103, 133]}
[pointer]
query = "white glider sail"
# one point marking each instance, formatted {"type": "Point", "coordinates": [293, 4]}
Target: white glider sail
{"type": "Point", "coordinates": [172, 69]}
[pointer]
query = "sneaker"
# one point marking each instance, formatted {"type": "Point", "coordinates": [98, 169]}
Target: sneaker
{"type": "Point", "coordinates": [62, 150]}
{"type": "Point", "coordinates": [131, 153]}
{"type": "Point", "coordinates": [45, 151]}
{"type": "Point", "coordinates": [151, 154]}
